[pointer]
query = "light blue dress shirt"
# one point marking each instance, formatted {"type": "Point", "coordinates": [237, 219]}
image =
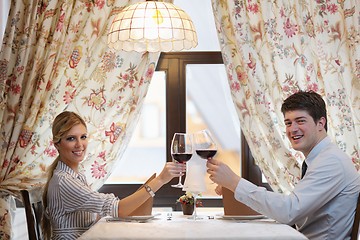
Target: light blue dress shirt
{"type": "Point", "coordinates": [322, 204]}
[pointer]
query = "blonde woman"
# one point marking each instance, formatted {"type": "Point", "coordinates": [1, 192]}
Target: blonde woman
{"type": "Point", "coordinates": [71, 207]}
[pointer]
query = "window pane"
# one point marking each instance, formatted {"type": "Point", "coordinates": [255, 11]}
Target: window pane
{"type": "Point", "coordinates": [4, 12]}
{"type": "Point", "coordinates": [146, 152]}
{"type": "Point", "coordinates": [209, 106]}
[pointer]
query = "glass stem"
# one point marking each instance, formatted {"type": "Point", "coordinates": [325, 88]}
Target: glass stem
{"type": "Point", "coordinates": [195, 215]}
{"type": "Point", "coordinates": [180, 180]}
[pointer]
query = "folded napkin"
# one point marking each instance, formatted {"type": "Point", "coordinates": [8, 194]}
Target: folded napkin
{"type": "Point", "coordinates": [144, 209]}
{"type": "Point", "coordinates": [195, 175]}
{"type": "Point", "coordinates": [232, 207]}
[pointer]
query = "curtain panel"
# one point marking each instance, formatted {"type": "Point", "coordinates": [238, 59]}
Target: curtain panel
{"type": "Point", "coordinates": [272, 49]}
{"type": "Point", "coordinates": [54, 57]}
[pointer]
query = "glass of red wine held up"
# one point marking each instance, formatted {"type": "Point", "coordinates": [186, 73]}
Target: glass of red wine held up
{"type": "Point", "coordinates": [205, 146]}
{"type": "Point", "coordinates": [181, 150]}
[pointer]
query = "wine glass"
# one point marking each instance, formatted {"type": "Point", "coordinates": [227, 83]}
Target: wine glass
{"type": "Point", "coordinates": [195, 195]}
{"type": "Point", "coordinates": [181, 150]}
{"type": "Point", "coordinates": [205, 146]}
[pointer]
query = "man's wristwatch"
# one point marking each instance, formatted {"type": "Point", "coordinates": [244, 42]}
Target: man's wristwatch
{"type": "Point", "coordinates": [149, 190]}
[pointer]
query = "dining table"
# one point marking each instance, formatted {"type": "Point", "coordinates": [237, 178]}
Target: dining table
{"type": "Point", "coordinates": [173, 225]}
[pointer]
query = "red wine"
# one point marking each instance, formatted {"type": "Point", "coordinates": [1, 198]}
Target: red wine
{"type": "Point", "coordinates": [206, 153]}
{"type": "Point", "coordinates": [182, 157]}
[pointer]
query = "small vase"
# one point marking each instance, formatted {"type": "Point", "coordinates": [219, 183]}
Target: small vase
{"type": "Point", "coordinates": [187, 209]}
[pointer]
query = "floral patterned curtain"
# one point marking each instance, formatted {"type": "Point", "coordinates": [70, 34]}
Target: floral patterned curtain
{"type": "Point", "coordinates": [272, 49]}
{"type": "Point", "coordinates": [54, 57]}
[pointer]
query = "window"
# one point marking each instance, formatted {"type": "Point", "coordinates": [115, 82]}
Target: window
{"type": "Point", "coordinates": [209, 106]}
{"type": "Point", "coordinates": [180, 112]}
{"type": "Point", "coordinates": [147, 146]}
{"type": "Point", "coordinates": [4, 10]}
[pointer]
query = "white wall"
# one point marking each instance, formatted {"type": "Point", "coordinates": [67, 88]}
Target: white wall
{"type": "Point", "coordinates": [200, 12]}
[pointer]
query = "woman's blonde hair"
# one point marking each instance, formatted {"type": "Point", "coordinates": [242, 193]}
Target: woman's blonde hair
{"type": "Point", "coordinates": [61, 125]}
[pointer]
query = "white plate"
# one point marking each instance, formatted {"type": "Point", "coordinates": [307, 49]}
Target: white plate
{"type": "Point", "coordinates": [242, 217]}
{"type": "Point", "coordinates": [133, 218]}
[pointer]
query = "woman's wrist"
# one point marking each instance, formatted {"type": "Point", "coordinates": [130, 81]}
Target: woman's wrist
{"type": "Point", "coordinates": [156, 184]}
{"type": "Point", "coordinates": [149, 190]}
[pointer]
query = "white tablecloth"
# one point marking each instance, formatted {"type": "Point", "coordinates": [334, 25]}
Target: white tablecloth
{"type": "Point", "coordinates": [181, 227]}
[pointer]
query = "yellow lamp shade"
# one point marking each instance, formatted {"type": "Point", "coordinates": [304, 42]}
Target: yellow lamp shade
{"type": "Point", "coordinates": [152, 26]}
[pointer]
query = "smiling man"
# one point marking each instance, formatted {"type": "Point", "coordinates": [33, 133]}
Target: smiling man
{"type": "Point", "coordinates": [322, 205]}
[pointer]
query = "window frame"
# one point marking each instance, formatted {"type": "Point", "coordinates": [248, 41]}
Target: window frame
{"type": "Point", "coordinates": [174, 64]}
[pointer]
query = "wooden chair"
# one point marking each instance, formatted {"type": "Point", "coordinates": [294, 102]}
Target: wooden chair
{"type": "Point", "coordinates": [355, 228]}
{"type": "Point", "coordinates": [32, 200]}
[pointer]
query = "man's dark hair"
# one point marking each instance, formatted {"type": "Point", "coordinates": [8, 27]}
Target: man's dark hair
{"type": "Point", "coordinates": [310, 101]}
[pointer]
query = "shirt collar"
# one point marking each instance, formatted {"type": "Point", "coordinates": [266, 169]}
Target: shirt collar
{"type": "Point", "coordinates": [63, 167]}
{"type": "Point", "coordinates": [317, 149]}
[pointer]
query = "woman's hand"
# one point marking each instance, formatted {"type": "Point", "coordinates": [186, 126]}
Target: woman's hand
{"type": "Point", "coordinates": [171, 170]}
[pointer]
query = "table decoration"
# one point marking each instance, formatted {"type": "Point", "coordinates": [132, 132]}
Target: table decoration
{"type": "Point", "coordinates": [187, 203]}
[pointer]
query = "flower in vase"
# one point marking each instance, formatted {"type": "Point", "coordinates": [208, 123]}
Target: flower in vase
{"type": "Point", "coordinates": [188, 199]}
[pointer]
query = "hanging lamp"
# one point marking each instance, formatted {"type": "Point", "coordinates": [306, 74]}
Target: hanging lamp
{"type": "Point", "coordinates": [152, 26]}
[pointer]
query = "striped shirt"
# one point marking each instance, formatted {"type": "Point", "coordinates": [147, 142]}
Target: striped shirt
{"type": "Point", "coordinates": [73, 207]}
